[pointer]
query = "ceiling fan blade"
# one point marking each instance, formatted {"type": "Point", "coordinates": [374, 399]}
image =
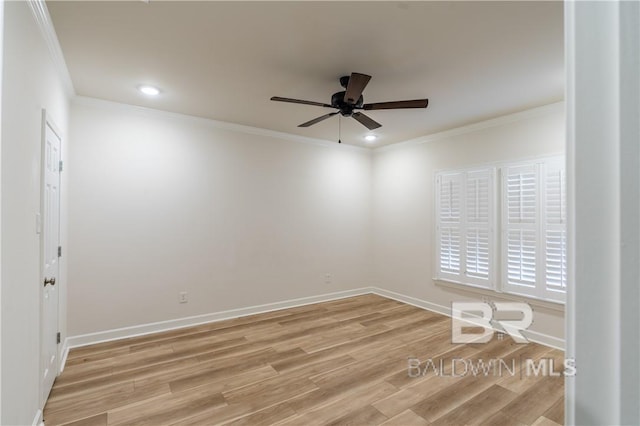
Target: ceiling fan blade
{"type": "Point", "coordinates": [317, 120]}
{"type": "Point", "coordinates": [357, 83]}
{"type": "Point", "coordinates": [299, 101]}
{"type": "Point", "coordinates": [417, 103]}
{"type": "Point", "coordinates": [368, 122]}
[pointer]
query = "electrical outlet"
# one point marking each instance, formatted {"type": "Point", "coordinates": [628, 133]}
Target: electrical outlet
{"type": "Point", "coordinates": [328, 278]}
{"type": "Point", "coordinates": [183, 297]}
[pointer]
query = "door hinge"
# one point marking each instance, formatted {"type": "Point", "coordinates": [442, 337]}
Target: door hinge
{"type": "Point", "coordinates": [59, 251]}
{"type": "Point", "coordinates": [58, 338]}
{"type": "Point", "coordinates": [60, 165]}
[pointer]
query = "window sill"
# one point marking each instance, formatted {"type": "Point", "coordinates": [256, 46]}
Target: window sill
{"type": "Point", "coordinates": [547, 304]}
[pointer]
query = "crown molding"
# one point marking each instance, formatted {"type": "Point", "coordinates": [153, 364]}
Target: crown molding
{"type": "Point", "coordinates": [481, 125]}
{"type": "Point", "coordinates": [223, 125]}
{"type": "Point", "coordinates": [43, 20]}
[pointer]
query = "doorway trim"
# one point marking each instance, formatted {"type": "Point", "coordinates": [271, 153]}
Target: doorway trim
{"type": "Point", "coordinates": [602, 47]}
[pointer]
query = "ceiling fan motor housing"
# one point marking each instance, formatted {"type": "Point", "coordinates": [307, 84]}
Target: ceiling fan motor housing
{"type": "Point", "coordinates": [337, 101]}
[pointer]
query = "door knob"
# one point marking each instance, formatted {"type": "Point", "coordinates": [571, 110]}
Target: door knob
{"type": "Point", "coordinates": [51, 281]}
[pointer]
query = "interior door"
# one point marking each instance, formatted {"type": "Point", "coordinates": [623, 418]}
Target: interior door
{"type": "Point", "coordinates": [50, 271]}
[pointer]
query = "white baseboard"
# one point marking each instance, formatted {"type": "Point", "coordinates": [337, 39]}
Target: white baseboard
{"type": "Point", "coordinates": [544, 339]}
{"type": "Point", "coordinates": [139, 330]}
{"type": "Point", "coordinates": [65, 354]}
{"type": "Point", "coordinates": [37, 420]}
{"type": "Point", "coordinates": [156, 327]}
{"type": "Point", "coordinates": [444, 310]}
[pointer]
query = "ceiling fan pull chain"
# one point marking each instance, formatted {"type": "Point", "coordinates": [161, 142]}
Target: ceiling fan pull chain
{"type": "Point", "coordinates": [339, 129]}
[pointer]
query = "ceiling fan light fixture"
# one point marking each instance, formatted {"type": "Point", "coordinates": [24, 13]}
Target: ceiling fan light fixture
{"type": "Point", "coordinates": [370, 138]}
{"type": "Point", "coordinates": [149, 90]}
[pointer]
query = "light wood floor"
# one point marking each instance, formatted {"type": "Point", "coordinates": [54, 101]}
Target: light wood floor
{"type": "Point", "coordinates": [340, 362]}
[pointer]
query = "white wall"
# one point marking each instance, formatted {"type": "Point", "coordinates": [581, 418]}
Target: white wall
{"type": "Point", "coordinates": [404, 194]}
{"type": "Point", "coordinates": [30, 83]}
{"type": "Point", "coordinates": [162, 203]}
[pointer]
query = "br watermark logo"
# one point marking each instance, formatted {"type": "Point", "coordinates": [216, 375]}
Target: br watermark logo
{"type": "Point", "coordinates": [483, 315]}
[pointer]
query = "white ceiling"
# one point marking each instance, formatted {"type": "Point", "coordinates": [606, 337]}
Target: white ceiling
{"type": "Point", "coordinates": [224, 60]}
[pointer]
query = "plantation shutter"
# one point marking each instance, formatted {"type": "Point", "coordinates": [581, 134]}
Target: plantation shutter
{"type": "Point", "coordinates": [520, 228]}
{"type": "Point", "coordinates": [449, 223]}
{"type": "Point", "coordinates": [554, 213]}
{"type": "Point", "coordinates": [532, 226]}
{"type": "Point", "coordinates": [478, 226]}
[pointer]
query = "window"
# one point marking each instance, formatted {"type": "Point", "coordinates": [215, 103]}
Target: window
{"type": "Point", "coordinates": [530, 257]}
{"type": "Point", "coordinates": [465, 224]}
{"type": "Point", "coordinates": [534, 246]}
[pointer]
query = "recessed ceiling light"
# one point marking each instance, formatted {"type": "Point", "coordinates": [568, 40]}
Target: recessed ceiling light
{"type": "Point", "coordinates": [370, 138]}
{"type": "Point", "coordinates": [149, 90]}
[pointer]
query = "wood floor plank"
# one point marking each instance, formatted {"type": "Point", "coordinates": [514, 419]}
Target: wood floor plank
{"type": "Point", "coordinates": [451, 397]}
{"type": "Point", "coordinates": [534, 401]}
{"type": "Point", "coordinates": [355, 374]}
{"type": "Point", "coordinates": [543, 421]}
{"type": "Point", "coordinates": [324, 406]}
{"type": "Point", "coordinates": [215, 415]}
{"type": "Point", "coordinates": [521, 381]}
{"type": "Point", "coordinates": [164, 410]}
{"type": "Point", "coordinates": [501, 419]}
{"type": "Point", "coordinates": [555, 413]}
{"type": "Point", "coordinates": [97, 420]}
{"type": "Point", "coordinates": [399, 402]}
{"type": "Point", "coordinates": [406, 418]}
{"type": "Point", "coordinates": [311, 367]}
{"type": "Point", "coordinates": [223, 382]}
{"type": "Point", "coordinates": [97, 356]}
{"type": "Point", "coordinates": [81, 408]}
{"type": "Point", "coordinates": [64, 402]}
{"type": "Point", "coordinates": [266, 416]}
{"type": "Point", "coordinates": [228, 368]}
{"type": "Point", "coordinates": [340, 335]}
{"type": "Point", "coordinates": [366, 415]}
{"type": "Point", "coordinates": [322, 339]}
{"type": "Point", "coordinates": [128, 365]}
{"type": "Point", "coordinates": [389, 315]}
{"type": "Point", "coordinates": [339, 362]}
{"type": "Point", "coordinates": [220, 338]}
{"type": "Point", "coordinates": [477, 409]}
{"type": "Point", "coordinates": [109, 380]}
{"type": "Point", "coordinates": [270, 391]}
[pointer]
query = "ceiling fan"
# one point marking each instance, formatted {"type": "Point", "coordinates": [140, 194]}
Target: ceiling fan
{"type": "Point", "coordinates": [350, 101]}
